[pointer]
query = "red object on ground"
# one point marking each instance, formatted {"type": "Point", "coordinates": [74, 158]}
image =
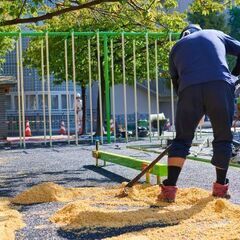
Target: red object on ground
{"type": "Point", "coordinates": [168, 193]}
{"type": "Point", "coordinates": [62, 128]}
{"type": "Point", "coordinates": [220, 190]}
{"type": "Point", "coordinates": [80, 131]}
{"type": "Point", "coordinates": [28, 132]}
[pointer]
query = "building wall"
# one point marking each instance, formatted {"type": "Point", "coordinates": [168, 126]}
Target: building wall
{"type": "Point", "coordinates": [3, 127]}
{"type": "Point", "coordinates": [33, 96]}
{"type": "Point", "coordinates": [142, 100]}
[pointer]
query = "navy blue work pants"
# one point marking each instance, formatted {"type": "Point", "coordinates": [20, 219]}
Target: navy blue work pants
{"type": "Point", "coordinates": [216, 100]}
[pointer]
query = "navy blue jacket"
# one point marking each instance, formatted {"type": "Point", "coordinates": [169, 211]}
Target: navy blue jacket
{"type": "Point", "coordinates": [201, 57]}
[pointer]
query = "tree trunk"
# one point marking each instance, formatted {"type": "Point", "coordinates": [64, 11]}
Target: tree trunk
{"type": "Point", "coordinates": [84, 110]}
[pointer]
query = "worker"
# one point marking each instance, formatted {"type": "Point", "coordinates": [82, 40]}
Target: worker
{"type": "Point", "coordinates": [79, 112]}
{"type": "Point", "coordinates": [204, 85]}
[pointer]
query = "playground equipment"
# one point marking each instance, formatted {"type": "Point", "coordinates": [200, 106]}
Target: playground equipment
{"type": "Point", "coordinates": [100, 59]}
{"type": "Point", "coordinates": [160, 170]}
{"type": "Point", "coordinates": [154, 148]}
{"type": "Point", "coordinates": [145, 170]}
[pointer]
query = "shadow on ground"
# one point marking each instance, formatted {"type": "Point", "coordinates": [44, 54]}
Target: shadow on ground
{"type": "Point", "coordinates": [100, 233]}
{"type": "Point", "coordinates": [109, 175]}
{"type": "Point", "coordinates": [10, 185]}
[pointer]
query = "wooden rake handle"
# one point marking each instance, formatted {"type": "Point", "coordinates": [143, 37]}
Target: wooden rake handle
{"type": "Point", "coordinates": [146, 169]}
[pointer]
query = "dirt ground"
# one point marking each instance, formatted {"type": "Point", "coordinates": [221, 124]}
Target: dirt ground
{"type": "Point", "coordinates": [80, 203]}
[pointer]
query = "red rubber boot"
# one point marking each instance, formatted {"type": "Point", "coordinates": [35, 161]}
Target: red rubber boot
{"type": "Point", "coordinates": [220, 190]}
{"type": "Point", "coordinates": [168, 193]}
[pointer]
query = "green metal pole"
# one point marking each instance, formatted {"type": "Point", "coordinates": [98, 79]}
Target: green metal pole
{"type": "Point", "coordinates": [107, 90]}
{"type": "Point", "coordinates": [88, 34]}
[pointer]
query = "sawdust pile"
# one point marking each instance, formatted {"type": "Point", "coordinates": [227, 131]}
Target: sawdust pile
{"type": "Point", "coordinates": [51, 192]}
{"type": "Point", "coordinates": [194, 215]}
{"type": "Point", "coordinates": [10, 220]}
{"type": "Point", "coordinates": [46, 192]}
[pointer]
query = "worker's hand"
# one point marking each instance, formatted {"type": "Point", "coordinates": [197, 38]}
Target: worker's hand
{"type": "Point", "coordinates": [237, 82]}
{"type": "Point", "coordinates": [236, 69]}
{"type": "Point", "coordinates": [176, 89]}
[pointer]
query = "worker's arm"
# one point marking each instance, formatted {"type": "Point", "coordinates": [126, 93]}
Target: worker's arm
{"type": "Point", "coordinates": [173, 73]}
{"type": "Point", "coordinates": [233, 48]}
{"type": "Point", "coordinates": [236, 69]}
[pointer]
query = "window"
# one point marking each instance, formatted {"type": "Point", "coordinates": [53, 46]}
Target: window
{"type": "Point", "coordinates": [8, 102]}
{"type": "Point", "coordinates": [40, 102]}
{"type": "Point", "coordinates": [72, 101]}
{"type": "Point", "coordinates": [64, 101]}
{"type": "Point", "coordinates": [54, 100]}
{"type": "Point", "coordinates": [31, 102]}
{"type": "Point", "coordinates": [16, 103]}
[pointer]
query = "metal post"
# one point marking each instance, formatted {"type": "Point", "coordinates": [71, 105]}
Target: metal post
{"type": "Point", "coordinates": [113, 90]}
{"type": "Point", "coordinates": [148, 83]}
{"type": "Point", "coordinates": [158, 180]}
{"type": "Point", "coordinates": [157, 90]}
{"type": "Point", "coordinates": [43, 93]}
{"type": "Point", "coordinates": [90, 87]}
{"type": "Point", "coordinates": [19, 94]}
{"type": "Point", "coordinates": [135, 88]}
{"type": "Point", "coordinates": [107, 93]}
{"type": "Point", "coordinates": [49, 90]}
{"type": "Point", "coordinates": [100, 86]}
{"type": "Point", "coordinates": [74, 86]}
{"type": "Point", "coordinates": [172, 97]}
{"type": "Point", "coordinates": [97, 148]}
{"type": "Point", "coordinates": [144, 165]}
{"type": "Point", "coordinates": [124, 87]}
{"type": "Point", "coordinates": [67, 91]}
{"type": "Point", "coordinates": [22, 88]}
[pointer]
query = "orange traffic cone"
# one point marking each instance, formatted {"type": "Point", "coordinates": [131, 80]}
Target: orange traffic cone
{"type": "Point", "coordinates": [62, 128]}
{"type": "Point", "coordinates": [28, 132]}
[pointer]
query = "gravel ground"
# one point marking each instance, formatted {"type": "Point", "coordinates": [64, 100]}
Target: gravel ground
{"type": "Point", "coordinates": [73, 166]}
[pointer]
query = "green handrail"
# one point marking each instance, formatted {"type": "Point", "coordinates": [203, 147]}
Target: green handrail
{"type": "Point", "coordinates": [88, 34]}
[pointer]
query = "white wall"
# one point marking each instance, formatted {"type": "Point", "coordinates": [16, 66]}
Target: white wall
{"type": "Point", "coordinates": [164, 103]}
{"type": "Point", "coordinates": [142, 100]}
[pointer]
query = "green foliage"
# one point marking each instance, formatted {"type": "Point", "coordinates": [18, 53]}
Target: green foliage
{"type": "Point", "coordinates": [14, 9]}
{"type": "Point", "coordinates": [144, 16]}
{"type": "Point", "coordinates": [209, 15]}
{"type": "Point", "coordinates": [220, 18]}
{"type": "Point", "coordinates": [234, 22]}
{"type": "Point", "coordinates": [6, 44]}
{"type": "Point", "coordinates": [206, 7]}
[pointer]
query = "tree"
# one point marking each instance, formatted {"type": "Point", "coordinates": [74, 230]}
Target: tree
{"type": "Point", "coordinates": [234, 18]}
{"type": "Point", "coordinates": [215, 15]}
{"type": "Point", "coordinates": [142, 16]}
{"type": "Point", "coordinates": [6, 43]}
{"type": "Point", "coordinates": [208, 14]}
{"type": "Point", "coordinates": [17, 12]}
{"type": "Point", "coordinates": [234, 22]}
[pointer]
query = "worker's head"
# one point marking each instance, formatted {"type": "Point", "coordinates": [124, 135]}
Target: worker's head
{"type": "Point", "coordinates": [191, 28]}
{"type": "Point", "coordinates": [78, 95]}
